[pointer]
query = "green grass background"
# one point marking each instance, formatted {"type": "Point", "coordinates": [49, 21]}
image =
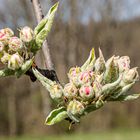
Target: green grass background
{"type": "Point", "coordinates": [109, 135]}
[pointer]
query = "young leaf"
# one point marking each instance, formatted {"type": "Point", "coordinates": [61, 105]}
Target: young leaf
{"type": "Point", "coordinates": [125, 97]}
{"type": "Point", "coordinates": [89, 64]}
{"type": "Point", "coordinates": [44, 27]}
{"type": "Point", "coordinates": [56, 116]}
{"type": "Point", "coordinates": [6, 72]}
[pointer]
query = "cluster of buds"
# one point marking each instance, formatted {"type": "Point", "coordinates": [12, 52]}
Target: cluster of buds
{"type": "Point", "coordinates": [90, 86]}
{"type": "Point", "coordinates": [14, 51]}
{"type": "Point", "coordinates": [17, 53]}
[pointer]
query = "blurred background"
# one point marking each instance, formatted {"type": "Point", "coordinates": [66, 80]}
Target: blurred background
{"type": "Point", "coordinates": [112, 25]}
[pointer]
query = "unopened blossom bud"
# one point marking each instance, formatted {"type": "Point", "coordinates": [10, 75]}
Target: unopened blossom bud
{"type": "Point", "coordinates": [15, 62]}
{"type": "Point", "coordinates": [4, 38]}
{"type": "Point", "coordinates": [1, 47]}
{"type": "Point", "coordinates": [86, 92]}
{"type": "Point", "coordinates": [75, 108]}
{"type": "Point", "coordinates": [70, 90]}
{"type": "Point", "coordinates": [124, 63]}
{"type": "Point", "coordinates": [86, 77]}
{"type": "Point", "coordinates": [15, 44]}
{"type": "Point", "coordinates": [5, 58]}
{"type": "Point", "coordinates": [56, 91]}
{"type": "Point", "coordinates": [26, 34]}
{"type": "Point", "coordinates": [73, 75]}
{"type": "Point", "coordinates": [7, 31]}
{"type": "Point", "coordinates": [131, 75]}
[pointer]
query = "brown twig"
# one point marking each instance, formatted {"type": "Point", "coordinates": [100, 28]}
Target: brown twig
{"type": "Point", "coordinates": [46, 51]}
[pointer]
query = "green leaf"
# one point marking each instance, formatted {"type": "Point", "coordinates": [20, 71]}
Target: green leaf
{"type": "Point", "coordinates": [125, 97]}
{"type": "Point", "coordinates": [44, 27]}
{"type": "Point", "coordinates": [44, 80]}
{"type": "Point", "coordinates": [25, 67]}
{"type": "Point", "coordinates": [56, 116]}
{"type": "Point", "coordinates": [89, 64]}
{"type": "Point", "coordinates": [112, 71]}
{"type": "Point", "coordinates": [6, 72]}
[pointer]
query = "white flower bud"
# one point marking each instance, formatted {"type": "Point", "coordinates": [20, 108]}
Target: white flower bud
{"type": "Point", "coordinates": [5, 58]}
{"type": "Point", "coordinates": [15, 44]}
{"type": "Point", "coordinates": [1, 47]}
{"type": "Point", "coordinates": [7, 31]}
{"type": "Point", "coordinates": [26, 34]}
{"type": "Point", "coordinates": [73, 75]}
{"type": "Point", "coordinates": [70, 90]}
{"type": "Point", "coordinates": [86, 92]}
{"type": "Point", "coordinates": [124, 63]}
{"type": "Point", "coordinates": [56, 92]}
{"type": "Point", "coordinates": [75, 107]}
{"type": "Point", "coordinates": [131, 75]}
{"type": "Point", "coordinates": [15, 61]}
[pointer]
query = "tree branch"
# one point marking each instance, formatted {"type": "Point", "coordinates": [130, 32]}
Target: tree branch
{"type": "Point", "coordinates": [46, 51]}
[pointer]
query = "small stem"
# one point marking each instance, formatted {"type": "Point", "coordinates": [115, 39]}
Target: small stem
{"type": "Point", "coordinates": [46, 51]}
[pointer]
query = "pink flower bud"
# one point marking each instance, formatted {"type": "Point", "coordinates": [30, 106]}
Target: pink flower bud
{"type": "Point", "coordinates": [4, 38]}
{"type": "Point", "coordinates": [5, 58]}
{"type": "Point", "coordinates": [86, 92]}
{"type": "Point", "coordinates": [26, 34]}
{"type": "Point", "coordinates": [73, 75]}
{"type": "Point", "coordinates": [124, 63]}
{"type": "Point", "coordinates": [75, 107]}
{"type": "Point", "coordinates": [131, 75]}
{"type": "Point", "coordinates": [15, 44]}
{"type": "Point", "coordinates": [1, 47]}
{"type": "Point", "coordinates": [70, 90]}
{"type": "Point", "coordinates": [15, 61]}
{"type": "Point", "coordinates": [7, 31]}
{"type": "Point", "coordinates": [86, 77]}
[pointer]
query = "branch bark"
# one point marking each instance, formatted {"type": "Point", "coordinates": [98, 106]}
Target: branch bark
{"type": "Point", "coordinates": [46, 51]}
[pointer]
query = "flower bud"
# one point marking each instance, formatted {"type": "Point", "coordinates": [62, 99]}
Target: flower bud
{"type": "Point", "coordinates": [131, 75]}
{"type": "Point", "coordinates": [86, 77]}
{"type": "Point", "coordinates": [15, 62]}
{"type": "Point", "coordinates": [7, 31]}
{"type": "Point", "coordinates": [26, 34]}
{"type": "Point", "coordinates": [4, 38]}
{"type": "Point", "coordinates": [5, 58]}
{"type": "Point", "coordinates": [73, 75]}
{"type": "Point", "coordinates": [1, 47]}
{"type": "Point", "coordinates": [75, 108]}
{"type": "Point", "coordinates": [70, 90]}
{"type": "Point", "coordinates": [86, 92]}
{"type": "Point", "coordinates": [56, 92]}
{"type": "Point", "coordinates": [15, 44]}
{"type": "Point", "coordinates": [124, 63]}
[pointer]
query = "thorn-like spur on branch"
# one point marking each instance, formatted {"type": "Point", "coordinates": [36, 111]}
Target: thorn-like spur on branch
{"type": "Point", "coordinates": [46, 52]}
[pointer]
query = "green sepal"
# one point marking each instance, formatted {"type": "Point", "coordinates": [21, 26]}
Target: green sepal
{"type": "Point", "coordinates": [56, 116]}
{"type": "Point", "coordinates": [89, 64]}
{"type": "Point", "coordinates": [6, 72]}
{"type": "Point", "coordinates": [24, 68]}
{"type": "Point", "coordinates": [94, 106]}
{"type": "Point", "coordinates": [44, 27]}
